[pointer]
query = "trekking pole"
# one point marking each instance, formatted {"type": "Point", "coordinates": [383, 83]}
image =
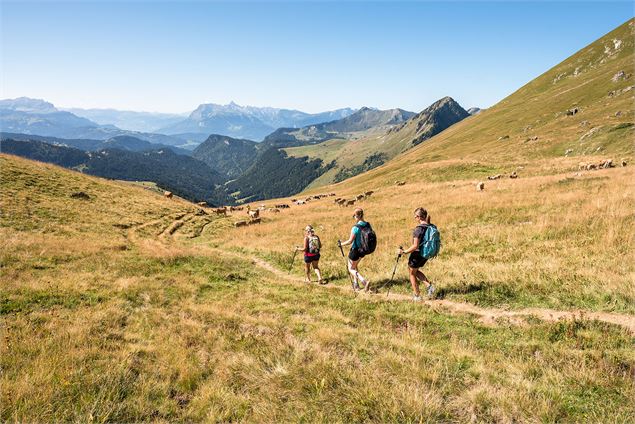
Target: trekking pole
{"type": "Point", "coordinates": [339, 244]}
{"type": "Point", "coordinates": [394, 270]}
{"type": "Point", "coordinates": [295, 251]}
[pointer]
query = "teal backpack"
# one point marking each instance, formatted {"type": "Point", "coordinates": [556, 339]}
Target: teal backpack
{"type": "Point", "coordinates": [431, 243]}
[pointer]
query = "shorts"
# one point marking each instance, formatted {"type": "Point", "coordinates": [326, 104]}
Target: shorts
{"type": "Point", "coordinates": [415, 260]}
{"type": "Point", "coordinates": [354, 254]}
{"type": "Point", "coordinates": [309, 259]}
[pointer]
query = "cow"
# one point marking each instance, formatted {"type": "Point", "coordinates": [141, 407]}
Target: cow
{"type": "Point", "coordinates": [273, 210]}
{"type": "Point", "coordinates": [513, 175]}
{"type": "Point", "coordinates": [608, 163]}
{"type": "Point", "coordinates": [167, 194]}
{"type": "Point", "coordinates": [624, 162]}
{"type": "Point", "coordinates": [202, 204]}
{"type": "Point", "coordinates": [494, 177]}
{"type": "Point", "coordinates": [282, 206]}
{"type": "Point", "coordinates": [400, 183]}
{"type": "Point", "coordinates": [480, 186]}
{"type": "Point", "coordinates": [254, 221]}
{"type": "Point", "coordinates": [359, 197]}
{"type": "Point", "coordinates": [369, 193]}
{"type": "Point", "coordinates": [349, 202]}
{"type": "Point", "coordinates": [332, 194]}
{"type": "Point", "coordinates": [240, 223]}
{"type": "Point", "coordinates": [254, 214]}
{"type": "Point", "coordinates": [582, 166]}
{"type": "Point", "coordinates": [220, 211]}
{"type": "Point", "coordinates": [300, 202]}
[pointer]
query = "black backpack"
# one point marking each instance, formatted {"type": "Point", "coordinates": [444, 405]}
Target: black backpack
{"type": "Point", "coordinates": [367, 239]}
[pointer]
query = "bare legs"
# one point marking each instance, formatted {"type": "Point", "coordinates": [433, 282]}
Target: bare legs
{"type": "Point", "coordinates": [357, 277]}
{"type": "Point", "coordinates": [316, 268]}
{"type": "Point", "coordinates": [415, 277]}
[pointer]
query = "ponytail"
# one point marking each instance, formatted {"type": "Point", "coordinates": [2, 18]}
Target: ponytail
{"type": "Point", "coordinates": [423, 214]}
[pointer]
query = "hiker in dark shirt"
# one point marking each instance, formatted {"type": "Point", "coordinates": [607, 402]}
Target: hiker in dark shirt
{"type": "Point", "coordinates": [416, 261]}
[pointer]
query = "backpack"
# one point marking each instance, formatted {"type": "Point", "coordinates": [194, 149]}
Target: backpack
{"type": "Point", "coordinates": [431, 243]}
{"type": "Point", "coordinates": [367, 239]}
{"type": "Point", "coordinates": [314, 244]}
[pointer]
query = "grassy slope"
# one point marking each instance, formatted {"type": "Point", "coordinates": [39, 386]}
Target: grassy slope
{"type": "Point", "coordinates": [106, 317]}
{"type": "Point", "coordinates": [537, 109]}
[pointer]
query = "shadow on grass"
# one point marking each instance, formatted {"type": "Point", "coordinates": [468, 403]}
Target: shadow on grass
{"type": "Point", "coordinates": [460, 289]}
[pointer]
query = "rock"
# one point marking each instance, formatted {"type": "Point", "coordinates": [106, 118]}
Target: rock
{"type": "Point", "coordinates": [568, 151]}
{"type": "Point", "coordinates": [80, 195]}
{"type": "Point", "coordinates": [584, 123]}
{"type": "Point", "coordinates": [503, 137]}
{"type": "Point", "coordinates": [618, 113]}
{"type": "Point", "coordinates": [589, 133]}
{"type": "Point", "coordinates": [621, 75]}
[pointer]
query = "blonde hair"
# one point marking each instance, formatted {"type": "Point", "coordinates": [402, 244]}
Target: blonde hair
{"type": "Point", "coordinates": [359, 213]}
{"type": "Point", "coordinates": [423, 214]}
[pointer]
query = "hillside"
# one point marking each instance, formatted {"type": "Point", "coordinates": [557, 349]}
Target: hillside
{"type": "Point", "coordinates": [147, 313]}
{"type": "Point", "coordinates": [370, 150]}
{"type": "Point", "coordinates": [183, 175]}
{"type": "Point", "coordinates": [229, 156]}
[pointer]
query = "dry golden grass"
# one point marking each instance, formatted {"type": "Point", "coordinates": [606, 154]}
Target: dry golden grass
{"type": "Point", "coordinates": [106, 316]}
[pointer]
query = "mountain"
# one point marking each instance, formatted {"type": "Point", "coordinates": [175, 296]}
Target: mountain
{"type": "Point", "coordinates": [183, 175]}
{"type": "Point", "coordinates": [227, 155]}
{"type": "Point", "coordinates": [122, 142]}
{"type": "Point", "coordinates": [579, 110]}
{"type": "Point", "coordinates": [128, 120]}
{"type": "Point", "coordinates": [362, 120]}
{"type": "Point", "coordinates": [38, 117]}
{"type": "Point", "coordinates": [374, 147]}
{"type": "Point", "coordinates": [246, 121]}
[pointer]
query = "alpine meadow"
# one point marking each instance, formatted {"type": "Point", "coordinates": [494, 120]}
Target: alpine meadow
{"type": "Point", "coordinates": [157, 273]}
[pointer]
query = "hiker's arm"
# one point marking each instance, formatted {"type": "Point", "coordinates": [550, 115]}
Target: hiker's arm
{"type": "Point", "coordinates": [304, 248]}
{"type": "Point", "coordinates": [350, 239]}
{"type": "Point", "coordinates": [413, 247]}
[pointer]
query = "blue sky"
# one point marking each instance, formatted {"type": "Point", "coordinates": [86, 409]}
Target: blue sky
{"type": "Point", "coordinates": [171, 56]}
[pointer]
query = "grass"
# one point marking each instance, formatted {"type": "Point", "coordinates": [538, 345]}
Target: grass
{"type": "Point", "coordinates": [107, 319]}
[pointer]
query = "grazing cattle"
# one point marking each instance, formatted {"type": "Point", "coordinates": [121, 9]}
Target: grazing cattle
{"type": "Point", "coordinates": [369, 193]}
{"type": "Point", "coordinates": [341, 202]}
{"type": "Point", "coordinates": [282, 206]}
{"type": "Point", "coordinates": [400, 183]}
{"type": "Point", "coordinates": [608, 163]}
{"type": "Point", "coordinates": [221, 211]}
{"type": "Point", "coordinates": [624, 162]}
{"type": "Point", "coordinates": [238, 208]}
{"type": "Point", "coordinates": [202, 204]}
{"type": "Point", "coordinates": [332, 194]}
{"type": "Point", "coordinates": [495, 177]}
{"type": "Point", "coordinates": [513, 175]}
{"type": "Point", "coordinates": [300, 202]}
{"type": "Point", "coordinates": [167, 194]}
{"type": "Point", "coordinates": [240, 223]}
{"type": "Point", "coordinates": [582, 166]}
{"type": "Point", "coordinates": [337, 200]}
{"type": "Point", "coordinates": [590, 166]}
{"type": "Point", "coordinates": [254, 221]}
{"type": "Point", "coordinates": [273, 210]}
{"type": "Point", "coordinates": [254, 214]}
{"type": "Point", "coordinates": [480, 186]}
{"type": "Point", "coordinates": [572, 112]}
{"type": "Point", "coordinates": [359, 197]}
{"type": "Point", "coordinates": [349, 202]}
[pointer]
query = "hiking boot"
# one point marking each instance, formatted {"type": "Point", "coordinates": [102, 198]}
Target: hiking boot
{"type": "Point", "coordinates": [416, 298]}
{"type": "Point", "coordinates": [430, 291]}
{"type": "Point", "coordinates": [355, 286]}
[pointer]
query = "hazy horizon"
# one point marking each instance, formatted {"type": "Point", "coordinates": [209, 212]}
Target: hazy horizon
{"type": "Point", "coordinates": [171, 57]}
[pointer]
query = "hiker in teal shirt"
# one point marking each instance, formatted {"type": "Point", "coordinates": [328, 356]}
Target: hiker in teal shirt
{"type": "Point", "coordinates": [356, 254]}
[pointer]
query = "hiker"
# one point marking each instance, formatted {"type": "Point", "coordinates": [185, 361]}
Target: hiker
{"type": "Point", "coordinates": [311, 248]}
{"type": "Point", "coordinates": [416, 260]}
{"type": "Point", "coordinates": [363, 242]}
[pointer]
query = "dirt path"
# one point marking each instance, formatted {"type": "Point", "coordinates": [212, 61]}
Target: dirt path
{"type": "Point", "coordinates": [486, 315]}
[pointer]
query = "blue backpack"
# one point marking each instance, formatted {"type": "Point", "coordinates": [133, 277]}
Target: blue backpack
{"type": "Point", "coordinates": [431, 243]}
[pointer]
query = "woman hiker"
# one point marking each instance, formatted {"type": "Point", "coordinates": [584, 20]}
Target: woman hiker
{"type": "Point", "coordinates": [355, 254]}
{"type": "Point", "coordinates": [416, 261]}
{"type": "Point", "coordinates": [311, 248]}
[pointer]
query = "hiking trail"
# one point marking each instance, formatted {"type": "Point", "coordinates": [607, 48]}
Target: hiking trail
{"type": "Point", "coordinates": [486, 315]}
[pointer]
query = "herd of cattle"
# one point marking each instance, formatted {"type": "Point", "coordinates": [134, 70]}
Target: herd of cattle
{"type": "Point", "coordinates": [253, 214]}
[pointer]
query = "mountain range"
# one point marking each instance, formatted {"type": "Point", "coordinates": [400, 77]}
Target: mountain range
{"type": "Point", "coordinates": [249, 122]}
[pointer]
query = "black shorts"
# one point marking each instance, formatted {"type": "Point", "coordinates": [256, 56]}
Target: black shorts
{"type": "Point", "coordinates": [415, 260]}
{"type": "Point", "coordinates": [354, 255]}
{"type": "Point", "coordinates": [309, 259]}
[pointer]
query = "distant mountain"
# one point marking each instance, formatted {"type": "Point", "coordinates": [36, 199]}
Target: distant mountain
{"type": "Point", "coordinates": [122, 142]}
{"type": "Point", "coordinates": [437, 117]}
{"type": "Point", "coordinates": [362, 120]}
{"type": "Point", "coordinates": [229, 156]}
{"type": "Point", "coordinates": [183, 175]}
{"type": "Point", "coordinates": [38, 117]}
{"type": "Point", "coordinates": [129, 120]}
{"type": "Point", "coordinates": [247, 122]}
